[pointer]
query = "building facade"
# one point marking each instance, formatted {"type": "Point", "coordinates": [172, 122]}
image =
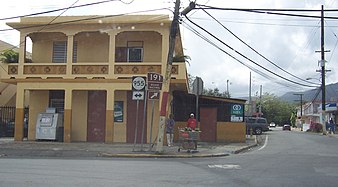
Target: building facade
{"type": "Point", "coordinates": [83, 66]}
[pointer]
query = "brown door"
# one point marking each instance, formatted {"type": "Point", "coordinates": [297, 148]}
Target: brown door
{"type": "Point", "coordinates": [131, 120]}
{"type": "Point", "coordinates": [96, 116]}
{"type": "Point", "coordinates": [208, 124]}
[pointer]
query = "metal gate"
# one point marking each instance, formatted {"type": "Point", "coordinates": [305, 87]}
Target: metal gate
{"type": "Point", "coordinates": [7, 121]}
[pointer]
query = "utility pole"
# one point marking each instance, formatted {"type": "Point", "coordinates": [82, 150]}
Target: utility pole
{"type": "Point", "coordinates": [167, 77]}
{"type": "Point", "coordinates": [301, 109]}
{"type": "Point", "coordinates": [250, 101]}
{"type": "Point", "coordinates": [323, 71]}
{"type": "Point", "coordinates": [260, 101]}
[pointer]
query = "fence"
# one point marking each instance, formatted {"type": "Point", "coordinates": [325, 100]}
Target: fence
{"type": "Point", "coordinates": [7, 121]}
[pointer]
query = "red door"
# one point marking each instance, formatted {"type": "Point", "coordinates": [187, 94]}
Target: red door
{"type": "Point", "coordinates": [131, 120]}
{"type": "Point", "coordinates": [96, 129]}
{"type": "Point", "coordinates": [208, 124]}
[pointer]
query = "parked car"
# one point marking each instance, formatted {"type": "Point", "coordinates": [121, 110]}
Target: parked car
{"type": "Point", "coordinates": [272, 124]}
{"type": "Point", "coordinates": [257, 124]}
{"type": "Point", "coordinates": [286, 127]}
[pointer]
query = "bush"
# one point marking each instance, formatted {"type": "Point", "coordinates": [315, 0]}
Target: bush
{"type": "Point", "coordinates": [316, 127]}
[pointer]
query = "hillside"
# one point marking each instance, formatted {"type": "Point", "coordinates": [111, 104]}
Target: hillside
{"type": "Point", "coordinates": [310, 95]}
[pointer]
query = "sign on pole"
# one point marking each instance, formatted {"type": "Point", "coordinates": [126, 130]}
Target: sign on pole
{"type": "Point", "coordinates": [138, 87]}
{"type": "Point", "coordinates": [153, 95]}
{"type": "Point", "coordinates": [237, 112]}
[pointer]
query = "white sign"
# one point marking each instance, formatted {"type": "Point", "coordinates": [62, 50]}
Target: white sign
{"type": "Point", "coordinates": [236, 118]}
{"type": "Point", "coordinates": [138, 95]}
{"type": "Point", "coordinates": [139, 83]}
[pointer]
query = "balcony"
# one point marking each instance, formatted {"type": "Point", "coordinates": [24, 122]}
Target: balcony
{"type": "Point", "coordinates": [90, 70]}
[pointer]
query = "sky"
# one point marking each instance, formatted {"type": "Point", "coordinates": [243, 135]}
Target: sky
{"type": "Point", "coordinates": [288, 43]}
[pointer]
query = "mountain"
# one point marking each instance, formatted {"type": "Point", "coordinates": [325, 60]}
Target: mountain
{"type": "Point", "coordinates": [313, 94]}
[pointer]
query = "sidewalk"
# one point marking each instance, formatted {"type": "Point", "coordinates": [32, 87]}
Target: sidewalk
{"type": "Point", "coordinates": [12, 149]}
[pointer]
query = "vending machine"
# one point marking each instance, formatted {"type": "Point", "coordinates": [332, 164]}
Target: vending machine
{"type": "Point", "coordinates": [49, 125]}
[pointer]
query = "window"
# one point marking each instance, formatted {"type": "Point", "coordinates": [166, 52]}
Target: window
{"type": "Point", "coordinates": [60, 52]}
{"type": "Point", "coordinates": [132, 53]}
{"type": "Point", "coordinates": [135, 54]}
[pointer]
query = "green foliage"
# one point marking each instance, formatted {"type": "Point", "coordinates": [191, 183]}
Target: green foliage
{"type": "Point", "coordinates": [215, 92]}
{"type": "Point", "coordinates": [9, 56]}
{"type": "Point", "coordinates": [181, 58]}
{"type": "Point", "coordinates": [276, 110]}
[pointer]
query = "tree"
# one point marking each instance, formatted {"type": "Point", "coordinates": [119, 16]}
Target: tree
{"type": "Point", "coordinates": [215, 92]}
{"type": "Point", "coordinates": [276, 110]}
{"type": "Point", "coordinates": [9, 56]}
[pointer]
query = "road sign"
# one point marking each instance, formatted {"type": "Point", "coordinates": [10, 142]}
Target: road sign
{"type": "Point", "coordinates": [154, 81]}
{"type": "Point", "coordinates": [138, 95]}
{"type": "Point", "coordinates": [138, 83]}
{"type": "Point", "coordinates": [154, 85]}
{"type": "Point", "coordinates": [153, 95]}
{"type": "Point", "coordinates": [154, 77]}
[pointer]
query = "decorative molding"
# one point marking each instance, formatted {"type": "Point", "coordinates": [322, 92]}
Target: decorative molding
{"type": "Point", "coordinates": [44, 69]}
{"type": "Point", "coordinates": [12, 69]}
{"type": "Point", "coordinates": [136, 69]}
{"type": "Point", "coordinates": [90, 69]}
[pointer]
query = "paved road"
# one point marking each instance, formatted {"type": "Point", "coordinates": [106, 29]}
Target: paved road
{"type": "Point", "coordinates": [287, 159]}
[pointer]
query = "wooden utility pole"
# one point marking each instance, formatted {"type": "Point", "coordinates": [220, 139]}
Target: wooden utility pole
{"type": "Point", "coordinates": [166, 82]}
{"type": "Point", "coordinates": [167, 77]}
{"type": "Point", "coordinates": [322, 63]}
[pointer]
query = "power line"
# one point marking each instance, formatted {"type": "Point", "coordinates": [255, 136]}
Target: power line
{"type": "Point", "coordinates": [57, 10]}
{"type": "Point", "coordinates": [246, 56]}
{"type": "Point", "coordinates": [273, 11]}
{"type": "Point", "coordinates": [87, 19]}
{"type": "Point", "coordinates": [255, 49]}
{"type": "Point", "coordinates": [241, 62]}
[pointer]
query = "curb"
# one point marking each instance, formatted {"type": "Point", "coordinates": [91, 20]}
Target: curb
{"type": "Point", "coordinates": [244, 148]}
{"type": "Point", "coordinates": [127, 155]}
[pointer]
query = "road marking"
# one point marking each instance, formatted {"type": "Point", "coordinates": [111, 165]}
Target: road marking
{"type": "Point", "coordinates": [265, 143]}
{"type": "Point", "coordinates": [228, 166]}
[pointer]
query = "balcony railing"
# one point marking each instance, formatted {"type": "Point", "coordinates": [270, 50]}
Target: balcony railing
{"type": "Point", "coordinates": [91, 70]}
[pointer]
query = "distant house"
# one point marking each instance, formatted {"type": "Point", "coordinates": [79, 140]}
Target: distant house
{"type": "Point", "coordinates": [7, 91]}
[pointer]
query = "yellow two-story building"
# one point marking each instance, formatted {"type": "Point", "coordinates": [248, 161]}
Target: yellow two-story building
{"type": "Point", "coordinates": [83, 66]}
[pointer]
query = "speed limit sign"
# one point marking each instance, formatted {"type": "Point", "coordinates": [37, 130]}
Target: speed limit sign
{"type": "Point", "coordinates": [138, 83]}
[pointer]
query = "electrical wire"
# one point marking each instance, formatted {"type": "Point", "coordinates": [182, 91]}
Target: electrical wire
{"type": "Point", "coordinates": [241, 62]}
{"type": "Point", "coordinates": [247, 58]}
{"type": "Point", "coordinates": [87, 19]}
{"type": "Point", "coordinates": [57, 10]}
{"type": "Point", "coordinates": [272, 11]}
{"type": "Point", "coordinates": [261, 55]}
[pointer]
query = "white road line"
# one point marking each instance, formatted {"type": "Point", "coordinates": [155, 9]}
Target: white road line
{"type": "Point", "coordinates": [228, 166]}
{"type": "Point", "coordinates": [265, 143]}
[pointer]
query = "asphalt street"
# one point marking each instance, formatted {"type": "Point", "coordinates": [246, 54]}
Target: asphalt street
{"type": "Point", "coordinates": [285, 159]}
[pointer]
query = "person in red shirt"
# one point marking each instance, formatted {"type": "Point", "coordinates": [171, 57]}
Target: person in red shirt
{"type": "Point", "coordinates": [191, 123]}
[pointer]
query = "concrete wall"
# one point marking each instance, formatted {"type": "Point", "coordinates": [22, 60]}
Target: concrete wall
{"type": "Point", "coordinates": [120, 128]}
{"type": "Point", "coordinates": [38, 103]}
{"type": "Point", "coordinates": [152, 43]}
{"type": "Point", "coordinates": [44, 42]}
{"type": "Point", "coordinates": [79, 116]}
{"type": "Point", "coordinates": [92, 47]}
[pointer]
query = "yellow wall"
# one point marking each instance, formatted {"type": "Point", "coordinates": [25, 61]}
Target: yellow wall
{"type": "Point", "coordinates": [79, 116]}
{"type": "Point", "coordinates": [152, 43]}
{"type": "Point", "coordinates": [44, 42]}
{"type": "Point", "coordinates": [120, 128]}
{"type": "Point", "coordinates": [92, 47]}
{"type": "Point", "coordinates": [230, 132]}
{"type": "Point", "coordinates": [38, 102]}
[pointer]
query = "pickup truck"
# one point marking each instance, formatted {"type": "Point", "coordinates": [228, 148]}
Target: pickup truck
{"type": "Point", "coordinates": [257, 124]}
